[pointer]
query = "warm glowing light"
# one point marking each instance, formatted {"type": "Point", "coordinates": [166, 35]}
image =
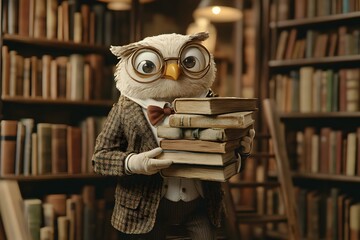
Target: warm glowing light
{"type": "Point", "coordinates": [216, 10]}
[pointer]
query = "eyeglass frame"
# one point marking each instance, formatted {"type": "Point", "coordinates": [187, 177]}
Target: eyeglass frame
{"type": "Point", "coordinates": [163, 62]}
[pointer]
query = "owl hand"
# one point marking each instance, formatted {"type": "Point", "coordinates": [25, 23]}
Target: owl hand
{"type": "Point", "coordinates": [247, 142]}
{"type": "Point", "coordinates": [144, 163]}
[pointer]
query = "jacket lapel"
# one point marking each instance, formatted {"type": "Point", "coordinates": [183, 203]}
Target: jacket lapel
{"type": "Point", "coordinates": [143, 127]}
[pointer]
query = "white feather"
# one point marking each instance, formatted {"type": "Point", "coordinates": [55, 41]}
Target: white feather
{"type": "Point", "coordinates": [169, 45]}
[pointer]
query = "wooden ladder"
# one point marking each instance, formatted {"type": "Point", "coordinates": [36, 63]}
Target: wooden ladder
{"type": "Point", "coordinates": [284, 182]}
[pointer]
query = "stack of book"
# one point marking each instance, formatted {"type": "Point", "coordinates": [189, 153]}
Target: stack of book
{"type": "Point", "coordinates": [203, 136]}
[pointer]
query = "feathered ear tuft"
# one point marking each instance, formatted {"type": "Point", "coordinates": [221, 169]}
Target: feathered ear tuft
{"type": "Point", "coordinates": [201, 36]}
{"type": "Point", "coordinates": [123, 51]}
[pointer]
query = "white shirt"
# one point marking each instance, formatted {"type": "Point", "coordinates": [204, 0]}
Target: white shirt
{"type": "Point", "coordinates": [174, 188]}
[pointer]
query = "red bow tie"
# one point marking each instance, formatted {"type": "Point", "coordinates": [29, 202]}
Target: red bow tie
{"type": "Point", "coordinates": [157, 114]}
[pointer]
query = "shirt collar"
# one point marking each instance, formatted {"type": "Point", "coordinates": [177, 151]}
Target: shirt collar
{"type": "Point", "coordinates": [144, 103]}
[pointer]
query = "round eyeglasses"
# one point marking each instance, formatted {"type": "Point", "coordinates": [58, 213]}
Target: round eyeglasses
{"type": "Point", "coordinates": [149, 65]}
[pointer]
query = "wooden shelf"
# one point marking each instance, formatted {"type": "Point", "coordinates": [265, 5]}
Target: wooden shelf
{"type": "Point", "coordinates": [336, 18]}
{"type": "Point", "coordinates": [90, 103]}
{"type": "Point", "coordinates": [327, 177]}
{"type": "Point", "coordinates": [52, 43]}
{"type": "Point", "coordinates": [314, 61]}
{"type": "Point", "coordinates": [322, 177]}
{"type": "Point", "coordinates": [315, 115]}
{"type": "Point", "coordinates": [53, 177]}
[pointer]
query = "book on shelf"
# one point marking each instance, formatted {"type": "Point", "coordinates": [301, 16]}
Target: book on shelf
{"type": "Point", "coordinates": [46, 73]}
{"type": "Point", "coordinates": [51, 19]}
{"type": "Point", "coordinates": [227, 120]}
{"type": "Point", "coordinates": [217, 105]}
{"type": "Point", "coordinates": [29, 126]}
{"type": "Point", "coordinates": [77, 199]}
{"type": "Point", "coordinates": [71, 214]}
{"type": "Point", "coordinates": [59, 148]}
{"type": "Point", "coordinates": [351, 154]}
{"type": "Point", "coordinates": [100, 217]}
{"type": "Point", "coordinates": [5, 68]}
{"type": "Point", "coordinates": [306, 74]}
{"type": "Point", "coordinates": [12, 213]}
{"type": "Point", "coordinates": [2, 229]}
{"type": "Point", "coordinates": [47, 233]}
{"type": "Point", "coordinates": [58, 201]}
{"type": "Point", "coordinates": [44, 148]}
{"type": "Point", "coordinates": [352, 89]}
{"type": "Point", "coordinates": [63, 226]}
{"type": "Point", "coordinates": [199, 145]}
{"type": "Point", "coordinates": [310, 40]}
{"type": "Point", "coordinates": [354, 221]}
{"type": "Point", "coordinates": [74, 77]}
{"type": "Point", "coordinates": [48, 214]}
{"type": "Point", "coordinates": [73, 149]}
{"type": "Point", "coordinates": [291, 43]}
{"type": "Point", "coordinates": [27, 75]}
{"type": "Point", "coordinates": [33, 216]}
{"type": "Point", "coordinates": [89, 211]}
{"type": "Point", "coordinates": [206, 134]}
{"type": "Point", "coordinates": [61, 20]}
{"type": "Point", "coordinates": [76, 83]}
{"type": "Point", "coordinates": [209, 173]}
{"type": "Point", "coordinates": [19, 154]}
{"type": "Point", "coordinates": [34, 155]}
{"type": "Point", "coordinates": [358, 152]}
{"type": "Point", "coordinates": [8, 146]}
{"type": "Point", "coordinates": [40, 19]}
{"type": "Point", "coordinates": [200, 158]}
{"type": "Point", "coordinates": [281, 47]}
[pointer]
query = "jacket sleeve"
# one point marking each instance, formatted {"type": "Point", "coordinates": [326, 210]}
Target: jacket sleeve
{"type": "Point", "coordinates": [111, 146]}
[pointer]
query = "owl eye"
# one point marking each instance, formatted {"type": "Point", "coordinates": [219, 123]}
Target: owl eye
{"type": "Point", "coordinates": [189, 62]}
{"type": "Point", "coordinates": [147, 62]}
{"type": "Point", "coordinates": [146, 67]}
{"type": "Point", "coordinates": [195, 58]}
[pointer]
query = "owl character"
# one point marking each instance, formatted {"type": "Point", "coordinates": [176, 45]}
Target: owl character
{"type": "Point", "coordinates": [152, 73]}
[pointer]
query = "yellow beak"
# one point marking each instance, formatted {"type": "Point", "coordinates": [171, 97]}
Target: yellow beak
{"type": "Point", "coordinates": [172, 71]}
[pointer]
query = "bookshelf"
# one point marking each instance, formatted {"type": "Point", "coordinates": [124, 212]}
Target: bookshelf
{"type": "Point", "coordinates": [316, 43]}
{"type": "Point", "coordinates": [57, 70]}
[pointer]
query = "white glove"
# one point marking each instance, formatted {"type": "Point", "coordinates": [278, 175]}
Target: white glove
{"type": "Point", "coordinates": [247, 142]}
{"type": "Point", "coordinates": [144, 163]}
{"type": "Point", "coordinates": [246, 147]}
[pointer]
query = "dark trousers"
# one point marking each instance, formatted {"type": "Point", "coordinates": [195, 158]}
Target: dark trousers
{"type": "Point", "coordinates": [190, 216]}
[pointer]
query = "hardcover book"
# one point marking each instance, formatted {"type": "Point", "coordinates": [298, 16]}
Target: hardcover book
{"type": "Point", "coordinates": [206, 134]}
{"type": "Point", "coordinates": [8, 146]}
{"type": "Point", "coordinates": [33, 216]}
{"type": "Point", "coordinates": [44, 148]}
{"type": "Point", "coordinates": [199, 145]}
{"type": "Point", "coordinates": [218, 105]}
{"type": "Point", "coordinates": [227, 120]}
{"type": "Point", "coordinates": [209, 173]}
{"type": "Point", "coordinates": [11, 209]}
{"type": "Point", "coordinates": [200, 158]}
{"type": "Point", "coordinates": [59, 148]}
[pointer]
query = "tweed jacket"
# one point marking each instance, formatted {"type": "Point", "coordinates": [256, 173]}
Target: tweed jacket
{"type": "Point", "coordinates": [137, 197]}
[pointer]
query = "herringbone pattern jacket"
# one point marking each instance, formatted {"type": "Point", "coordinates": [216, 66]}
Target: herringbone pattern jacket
{"type": "Point", "coordinates": [137, 197]}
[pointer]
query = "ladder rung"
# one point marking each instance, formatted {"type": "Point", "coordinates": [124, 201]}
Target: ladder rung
{"type": "Point", "coordinates": [254, 184]}
{"type": "Point", "coordinates": [246, 218]}
{"type": "Point", "coordinates": [262, 155]}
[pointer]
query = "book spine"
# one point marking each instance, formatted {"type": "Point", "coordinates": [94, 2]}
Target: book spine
{"type": "Point", "coordinates": [74, 149]}
{"type": "Point", "coordinates": [8, 146]}
{"type": "Point", "coordinates": [44, 148]}
{"type": "Point", "coordinates": [59, 148]}
{"type": "Point", "coordinates": [192, 121]}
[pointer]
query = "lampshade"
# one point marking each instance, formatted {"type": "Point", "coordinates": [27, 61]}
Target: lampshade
{"type": "Point", "coordinates": [218, 10]}
{"type": "Point", "coordinates": [121, 5]}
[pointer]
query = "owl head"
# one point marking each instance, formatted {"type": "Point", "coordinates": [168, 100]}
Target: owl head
{"type": "Point", "coordinates": [164, 67]}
